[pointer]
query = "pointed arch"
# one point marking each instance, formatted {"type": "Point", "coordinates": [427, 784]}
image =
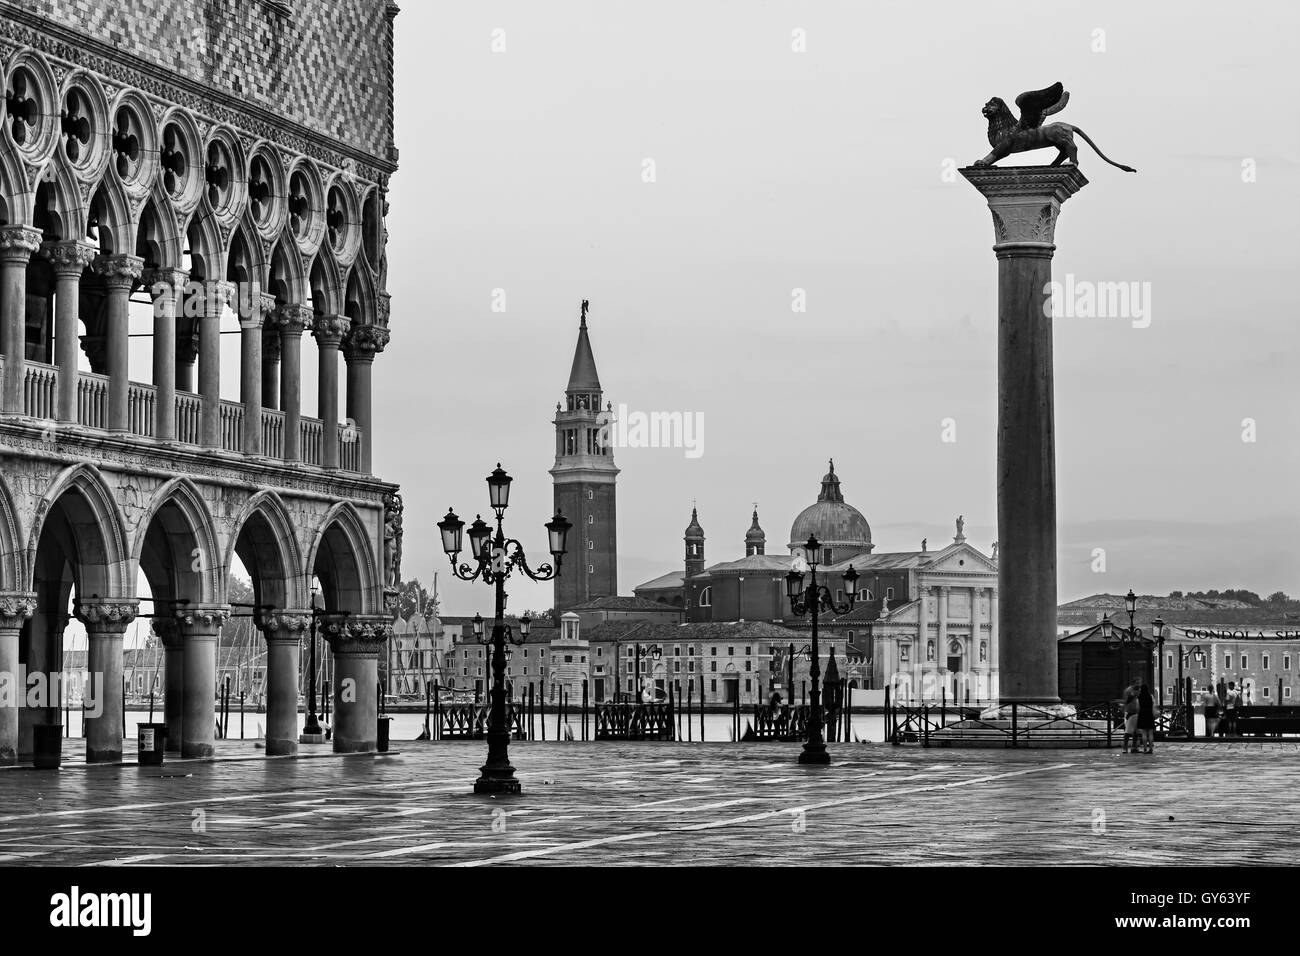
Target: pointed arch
{"type": "Point", "coordinates": [288, 280]}
{"type": "Point", "coordinates": [359, 303]}
{"type": "Point", "coordinates": [110, 216]}
{"type": "Point", "coordinates": [176, 545]}
{"type": "Point", "coordinates": [344, 559]}
{"type": "Point", "coordinates": [96, 527]}
{"type": "Point", "coordinates": [158, 240]}
{"type": "Point", "coordinates": [58, 210]}
{"type": "Point", "coordinates": [13, 556]}
{"type": "Point", "coordinates": [207, 251]}
{"type": "Point", "coordinates": [16, 200]}
{"type": "Point", "coordinates": [267, 544]}
{"type": "Point", "coordinates": [326, 290]}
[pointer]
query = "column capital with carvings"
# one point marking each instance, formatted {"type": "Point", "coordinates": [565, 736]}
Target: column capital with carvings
{"type": "Point", "coordinates": [1025, 202]}
{"type": "Point", "coordinates": [15, 608]}
{"type": "Point", "coordinates": [217, 295]}
{"type": "Point", "coordinates": [292, 318]}
{"type": "Point", "coordinates": [107, 615]}
{"type": "Point", "coordinates": [119, 271]}
{"type": "Point", "coordinates": [284, 623]}
{"type": "Point", "coordinates": [69, 257]}
{"type": "Point", "coordinates": [17, 243]}
{"type": "Point", "coordinates": [358, 635]}
{"type": "Point", "coordinates": [168, 283]}
{"type": "Point", "coordinates": [197, 620]}
{"type": "Point", "coordinates": [167, 630]}
{"type": "Point", "coordinates": [329, 330]}
{"type": "Point", "coordinates": [364, 342]}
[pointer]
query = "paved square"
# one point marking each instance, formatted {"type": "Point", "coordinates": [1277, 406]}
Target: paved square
{"type": "Point", "coordinates": [667, 803]}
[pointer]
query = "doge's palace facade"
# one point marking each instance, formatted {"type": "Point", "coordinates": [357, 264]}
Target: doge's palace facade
{"type": "Point", "coordinates": [176, 171]}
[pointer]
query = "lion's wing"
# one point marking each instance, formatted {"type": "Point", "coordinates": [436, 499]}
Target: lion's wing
{"type": "Point", "coordinates": [1037, 104]}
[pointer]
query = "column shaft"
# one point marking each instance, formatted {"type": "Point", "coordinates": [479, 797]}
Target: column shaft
{"type": "Point", "coordinates": [104, 728]}
{"type": "Point", "coordinates": [17, 243]}
{"type": "Point", "coordinates": [216, 295]}
{"type": "Point", "coordinates": [270, 365]}
{"type": "Point", "coordinates": [250, 368]}
{"type": "Point", "coordinates": [363, 343]}
{"type": "Point", "coordinates": [174, 692]}
{"type": "Point", "coordinates": [292, 320]}
{"type": "Point", "coordinates": [283, 636]}
{"type": "Point", "coordinates": [15, 609]}
{"type": "Point", "coordinates": [167, 290]}
{"type": "Point", "coordinates": [329, 331]}
{"type": "Point", "coordinates": [120, 274]}
{"type": "Point", "coordinates": [356, 646]}
{"type": "Point", "coordinates": [69, 260]}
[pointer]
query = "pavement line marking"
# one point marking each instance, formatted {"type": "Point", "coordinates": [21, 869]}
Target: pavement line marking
{"type": "Point", "coordinates": [263, 795]}
{"type": "Point", "coordinates": [403, 850]}
{"type": "Point", "coordinates": [864, 798]}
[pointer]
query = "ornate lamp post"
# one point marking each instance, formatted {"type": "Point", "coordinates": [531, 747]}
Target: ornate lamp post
{"type": "Point", "coordinates": [494, 558]}
{"type": "Point", "coordinates": [1130, 605]}
{"type": "Point", "coordinates": [1158, 628]}
{"type": "Point", "coordinates": [814, 599]}
{"type": "Point", "coordinates": [1108, 632]}
{"type": "Point", "coordinates": [640, 654]}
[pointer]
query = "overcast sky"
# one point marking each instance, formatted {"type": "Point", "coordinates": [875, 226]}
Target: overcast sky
{"type": "Point", "coordinates": [824, 170]}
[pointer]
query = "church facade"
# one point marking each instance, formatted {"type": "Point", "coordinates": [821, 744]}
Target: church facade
{"type": "Point", "coordinates": [925, 624]}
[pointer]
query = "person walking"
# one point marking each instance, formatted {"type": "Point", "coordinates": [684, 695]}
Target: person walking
{"type": "Point", "coordinates": [1146, 717]}
{"type": "Point", "coordinates": [1130, 719]}
{"type": "Point", "coordinates": [1212, 704]}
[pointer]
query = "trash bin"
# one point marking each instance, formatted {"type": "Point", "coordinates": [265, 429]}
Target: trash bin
{"type": "Point", "coordinates": [47, 746]}
{"type": "Point", "coordinates": [381, 738]}
{"type": "Point", "coordinates": [151, 741]}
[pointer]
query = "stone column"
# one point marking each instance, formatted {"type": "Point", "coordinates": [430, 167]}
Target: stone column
{"type": "Point", "coordinates": [106, 620]}
{"type": "Point", "coordinates": [923, 634]}
{"type": "Point", "coordinates": [292, 319]}
{"type": "Point", "coordinates": [168, 632]}
{"type": "Point", "coordinates": [360, 349]}
{"type": "Point", "coordinates": [199, 628]}
{"type": "Point", "coordinates": [994, 644]}
{"type": "Point", "coordinates": [1025, 203]}
{"type": "Point", "coordinates": [329, 331]}
{"type": "Point", "coordinates": [187, 349]}
{"type": "Point", "coordinates": [120, 275]}
{"type": "Point", "coordinates": [258, 308]}
{"type": "Point", "coordinates": [356, 644]}
{"type": "Point", "coordinates": [69, 260]}
{"type": "Point", "coordinates": [941, 641]}
{"type": "Point", "coordinates": [17, 243]}
{"type": "Point", "coordinates": [166, 287]}
{"type": "Point", "coordinates": [215, 297]}
{"type": "Point", "coordinates": [283, 631]}
{"type": "Point", "coordinates": [270, 362]}
{"type": "Point", "coordinates": [15, 609]}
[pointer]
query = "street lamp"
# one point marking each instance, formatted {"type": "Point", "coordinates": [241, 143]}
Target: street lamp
{"type": "Point", "coordinates": [494, 558]}
{"type": "Point", "coordinates": [639, 654]}
{"type": "Point", "coordinates": [814, 599]}
{"type": "Point", "coordinates": [1158, 628]}
{"type": "Point", "coordinates": [1130, 605]}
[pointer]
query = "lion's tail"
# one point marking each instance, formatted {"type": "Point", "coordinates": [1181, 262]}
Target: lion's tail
{"type": "Point", "coordinates": [1088, 140]}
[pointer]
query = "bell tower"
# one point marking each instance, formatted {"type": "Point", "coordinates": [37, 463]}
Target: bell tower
{"type": "Point", "coordinates": [694, 539]}
{"type": "Point", "coordinates": [584, 477]}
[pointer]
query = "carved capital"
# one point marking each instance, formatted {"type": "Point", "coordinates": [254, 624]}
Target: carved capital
{"type": "Point", "coordinates": [120, 271]}
{"type": "Point", "coordinates": [330, 329]}
{"type": "Point", "coordinates": [287, 623]}
{"type": "Point", "coordinates": [365, 341]}
{"type": "Point", "coordinates": [1025, 201]}
{"type": "Point", "coordinates": [107, 616]}
{"type": "Point", "coordinates": [383, 308]}
{"type": "Point", "coordinates": [69, 257]}
{"type": "Point", "coordinates": [15, 608]}
{"type": "Point", "coordinates": [217, 295]}
{"type": "Point", "coordinates": [202, 619]}
{"type": "Point", "coordinates": [363, 635]}
{"type": "Point", "coordinates": [165, 283]}
{"type": "Point", "coordinates": [17, 243]}
{"type": "Point", "coordinates": [291, 319]}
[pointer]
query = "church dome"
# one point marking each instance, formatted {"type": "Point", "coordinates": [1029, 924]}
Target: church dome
{"type": "Point", "coordinates": [836, 523]}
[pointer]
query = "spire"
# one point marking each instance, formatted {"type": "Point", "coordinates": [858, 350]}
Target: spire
{"type": "Point", "coordinates": [583, 377]}
{"type": "Point", "coordinates": [693, 530]}
{"type": "Point", "coordinates": [830, 486]}
{"type": "Point", "coordinates": [755, 538]}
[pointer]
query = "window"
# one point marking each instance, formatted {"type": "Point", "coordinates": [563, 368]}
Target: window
{"type": "Point", "coordinates": [731, 652]}
{"type": "Point", "coordinates": [591, 545]}
{"type": "Point", "coordinates": [1266, 692]}
{"type": "Point", "coordinates": [690, 667]}
{"type": "Point", "coordinates": [866, 595]}
{"type": "Point", "coordinates": [746, 685]}
{"type": "Point", "coordinates": [706, 597]}
{"type": "Point", "coordinates": [1286, 662]}
{"type": "Point", "coordinates": [591, 519]}
{"type": "Point", "coordinates": [749, 666]}
{"type": "Point", "coordinates": [600, 652]}
{"type": "Point", "coordinates": [467, 654]}
{"type": "Point", "coordinates": [713, 685]}
{"type": "Point", "coordinates": [590, 495]}
{"type": "Point", "coordinates": [525, 670]}
{"type": "Point", "coordinates": [584, 659]}
{"type": "Point", "coordinates": [826, 556]}
{"type": "Point", "coordinates": [629, 685]}
{"type": "Point", "coordinates": [713, 665]}
{"type": "Point", "coordinates": [591, 569]}
{"type": "Point", "coordinates": [677, 650]}
{"type": "Point", "coordinates": [1265, 668]}
{"type": "Point", "coordinates": [1286, 691]}
{"type": "Point", "coordinates": [1170, 658]}
{"type": "Point", "coordinates": [568, 658]}
{"type": "Point", "coordinates": [1244, 665]}
{"type": "Point", "coordinates": [839, 595]}
{"type": "Point", "coordinates": [677, 667]}
{"type": "Point", "coordinates": [1227, 662]}
{"type": "Point", "coordinates": [713, 651]}
{"type": "Point", "coordinates": [629, 667]}
{"type": "Point", "coordinates": [749, 649]}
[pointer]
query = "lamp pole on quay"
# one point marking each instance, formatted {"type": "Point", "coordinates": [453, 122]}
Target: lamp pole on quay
{"type": "Point", "coordinates": [494, 558]}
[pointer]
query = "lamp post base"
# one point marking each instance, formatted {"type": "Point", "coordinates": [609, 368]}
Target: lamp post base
{"type": "Point", "coordinates": [814, 753]}
{"type": "Point", "coordinates": [495, 780]}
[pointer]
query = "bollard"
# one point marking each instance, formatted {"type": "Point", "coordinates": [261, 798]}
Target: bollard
{"type": "Point", "coordinates": [690, 725]}
{"type": "Point", "coordinates": [241, 715]}
{"type": "Point", "coordinates": [427, 692]}
{"type": "Point", "coordinates": [584, 708]}
{"type": "Point", "coordinates": [437, 712]}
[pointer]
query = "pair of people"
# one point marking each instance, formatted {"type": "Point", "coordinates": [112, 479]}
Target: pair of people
{"type": "Point", "coordinates": [1139, 718]}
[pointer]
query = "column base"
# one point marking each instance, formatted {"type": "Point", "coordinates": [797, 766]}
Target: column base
{"type": "Point", "coordinates": [197, 751]}
{"type": "Point", "coordinates": [103, 756]}
{"type": "Point", "coordinates": [814, 754]}
{"type": "Point", "coordinates": [8, 755]}
{"type": "Point", "coordinates": [311, 738]}
{"type": "Point", "coordinates": [283, 748]}
{"type": "Point", "coordinates": [342, 745]}
{"type": "Point", "coordinates": [497, 781]}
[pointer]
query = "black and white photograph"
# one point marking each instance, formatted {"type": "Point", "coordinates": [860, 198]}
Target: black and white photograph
{"type": "Point", "coordinates": [729, 435]}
